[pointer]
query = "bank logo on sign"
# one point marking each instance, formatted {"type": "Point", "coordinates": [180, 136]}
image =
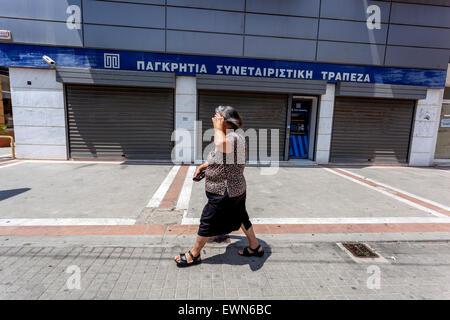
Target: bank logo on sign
{"type": "Point", "coordinates": [112, 61]}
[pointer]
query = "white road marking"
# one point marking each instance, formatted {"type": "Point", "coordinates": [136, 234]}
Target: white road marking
{"type": "Point", "coordinates": [436, 204]}
{"type": "Point", "coordinates": [410, 203]}
{"type": "Point", "coordinates": [185, 218]}
{"type": "Point", "coordinates": [376, 220]}
{"type": "Point", "coordinates": [67, 222]}
{"type": "Point", "coordinates": [10, 165]}
{"type": "Point", "coordinates": [186, 190]}
{"type": "Point", "coordinates": [155, 201]}
{"type": "Point", "coordinates": [72, 162]}
{"type": "Point", "coordinates": [444, 170]}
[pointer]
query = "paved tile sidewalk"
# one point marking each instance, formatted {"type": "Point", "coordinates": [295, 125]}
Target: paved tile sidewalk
{"type": "Point", "coordinates": [292, 271]}
{"type": "Point", "coordinates": [162, 230]}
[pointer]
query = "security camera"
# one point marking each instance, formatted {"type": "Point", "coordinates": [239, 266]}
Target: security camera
{"type": "Point", "coordinates": [49, 60]}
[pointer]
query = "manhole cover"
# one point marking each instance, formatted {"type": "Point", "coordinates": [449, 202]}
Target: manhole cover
{"type": "Point", "coordinates": [359, 250]}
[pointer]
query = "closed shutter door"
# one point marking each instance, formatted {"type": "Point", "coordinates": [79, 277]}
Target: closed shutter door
{"type": "Point", "coordinates": [258, 111]}
{"type": "Point", "coordinates": [119, 122]}
{"type": "Point", "coordinates": [371, 130]}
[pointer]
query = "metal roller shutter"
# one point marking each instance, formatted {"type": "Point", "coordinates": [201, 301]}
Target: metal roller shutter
{"type": "Point", "coordinates": [371, 130]}
{"type": "Point", "coordinates": [116, 122]}
{"type": "Point", "coordinates": [258, 110]}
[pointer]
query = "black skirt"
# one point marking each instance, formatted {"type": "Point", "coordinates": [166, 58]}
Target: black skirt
{"type": "Point", "coordinates": [222, 215]}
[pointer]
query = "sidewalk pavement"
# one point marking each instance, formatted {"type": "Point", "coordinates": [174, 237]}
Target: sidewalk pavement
{"type": "Point", "coordinates": [126, 267]}
{"type": "Point", "coordinates": [81, 191]}
{"type": "Point", "coordinates": [120, 225]}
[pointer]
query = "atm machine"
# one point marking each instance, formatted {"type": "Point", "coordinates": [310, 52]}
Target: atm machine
{"type": "Point", "coordinates": [300, 128]}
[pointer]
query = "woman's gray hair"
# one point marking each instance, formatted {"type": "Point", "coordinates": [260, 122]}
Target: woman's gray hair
{"type": "Point", "coordinates": [230, 115]}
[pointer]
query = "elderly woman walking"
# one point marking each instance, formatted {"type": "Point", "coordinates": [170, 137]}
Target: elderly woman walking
{"type": "Point", "coordinates": [225, 189]}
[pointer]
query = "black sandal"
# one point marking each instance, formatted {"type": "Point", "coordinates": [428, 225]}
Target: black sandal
{"type": "Point", "coordinates": [183, 261]}
{"type": "Point", "coordinates": [255, 253]}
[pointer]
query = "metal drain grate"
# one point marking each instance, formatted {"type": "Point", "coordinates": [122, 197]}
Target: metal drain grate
{"type": "Point", "coordinates": [359, 250]}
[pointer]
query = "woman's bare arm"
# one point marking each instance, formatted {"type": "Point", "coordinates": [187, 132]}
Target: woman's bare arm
{"type": "Point", "coordinates": [201, 168]}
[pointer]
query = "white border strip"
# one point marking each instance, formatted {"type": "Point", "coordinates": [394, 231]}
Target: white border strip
{"type": "Point", "coordinates": [410, 203]}
{"type": "Point", "coordinates": [10, 165]}
{"type": "Point", "coordinates": [186, 190]}
{"type": "Point", "coordinates": [436, 204]}
{"type": "Point", "coordinates": [67, 222]}
{"type": "Point", "coordinates": [155, 201]}
{"type": "Point", "coordinates": [73, 161]}
{"type": "Point", "coordinates": [377, 220]}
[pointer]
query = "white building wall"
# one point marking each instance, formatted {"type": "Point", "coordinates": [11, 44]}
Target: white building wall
{"type": "Point", "coordinates": [447, 79]}
{"type": "Point", "coordinates": [185, 117]}
{"type": "Point", "coordinates": [325, 125]}
{"type": "Point", "coordinates": [425, 128]}
{"type": "Point", "coordinates": [38, 114]}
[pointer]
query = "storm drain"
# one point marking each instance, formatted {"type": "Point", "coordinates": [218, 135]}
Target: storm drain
{"type": "Point", "coordinates": [359, 250]}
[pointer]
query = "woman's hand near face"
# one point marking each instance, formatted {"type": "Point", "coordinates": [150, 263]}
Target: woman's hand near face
{"type": "Point", "coordinates": [220, 139]}
{"type": "Point", "coordinates": [218, 122]}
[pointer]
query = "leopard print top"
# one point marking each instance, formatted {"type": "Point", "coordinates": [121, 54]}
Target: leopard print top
{"type": "Point", "coordinates": [225, 171]}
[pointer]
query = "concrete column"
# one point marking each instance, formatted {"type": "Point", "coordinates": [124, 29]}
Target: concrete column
{"type": "Point", "coordinates": [447, 79]}
{"type": "Point", "coordinates": [425, 128]}
{"type": "Point", "coordinates": [325, 124]}
{"type": "Point", "coordinates": [38, 111]}
{"type": "Point", "coordinates": [2, 111]}
{"type": "Point", "coordinates": [185, 116]}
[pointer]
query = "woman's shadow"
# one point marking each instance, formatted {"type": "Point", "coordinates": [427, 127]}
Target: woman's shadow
{"type": "Point", "coordinates": [232, 257]}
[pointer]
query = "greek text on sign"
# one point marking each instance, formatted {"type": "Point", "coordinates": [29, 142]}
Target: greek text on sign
{"type": "Point", "coordinates": [12, 55]}
{"type": "Point", "coordinates": [161, 66]}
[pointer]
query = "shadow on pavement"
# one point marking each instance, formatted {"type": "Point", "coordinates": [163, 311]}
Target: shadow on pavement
{"type": "Point", "coordinates": [5, 194]}
{"type": "Point", "coordinates": [231, 256]}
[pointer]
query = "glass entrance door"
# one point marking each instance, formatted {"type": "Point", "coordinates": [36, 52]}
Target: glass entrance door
{"type": "Point", "coordinates": [300, 128]}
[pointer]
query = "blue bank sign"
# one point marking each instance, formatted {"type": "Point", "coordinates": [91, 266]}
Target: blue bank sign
{"type": "Point", "coordinates": [12, 55]}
